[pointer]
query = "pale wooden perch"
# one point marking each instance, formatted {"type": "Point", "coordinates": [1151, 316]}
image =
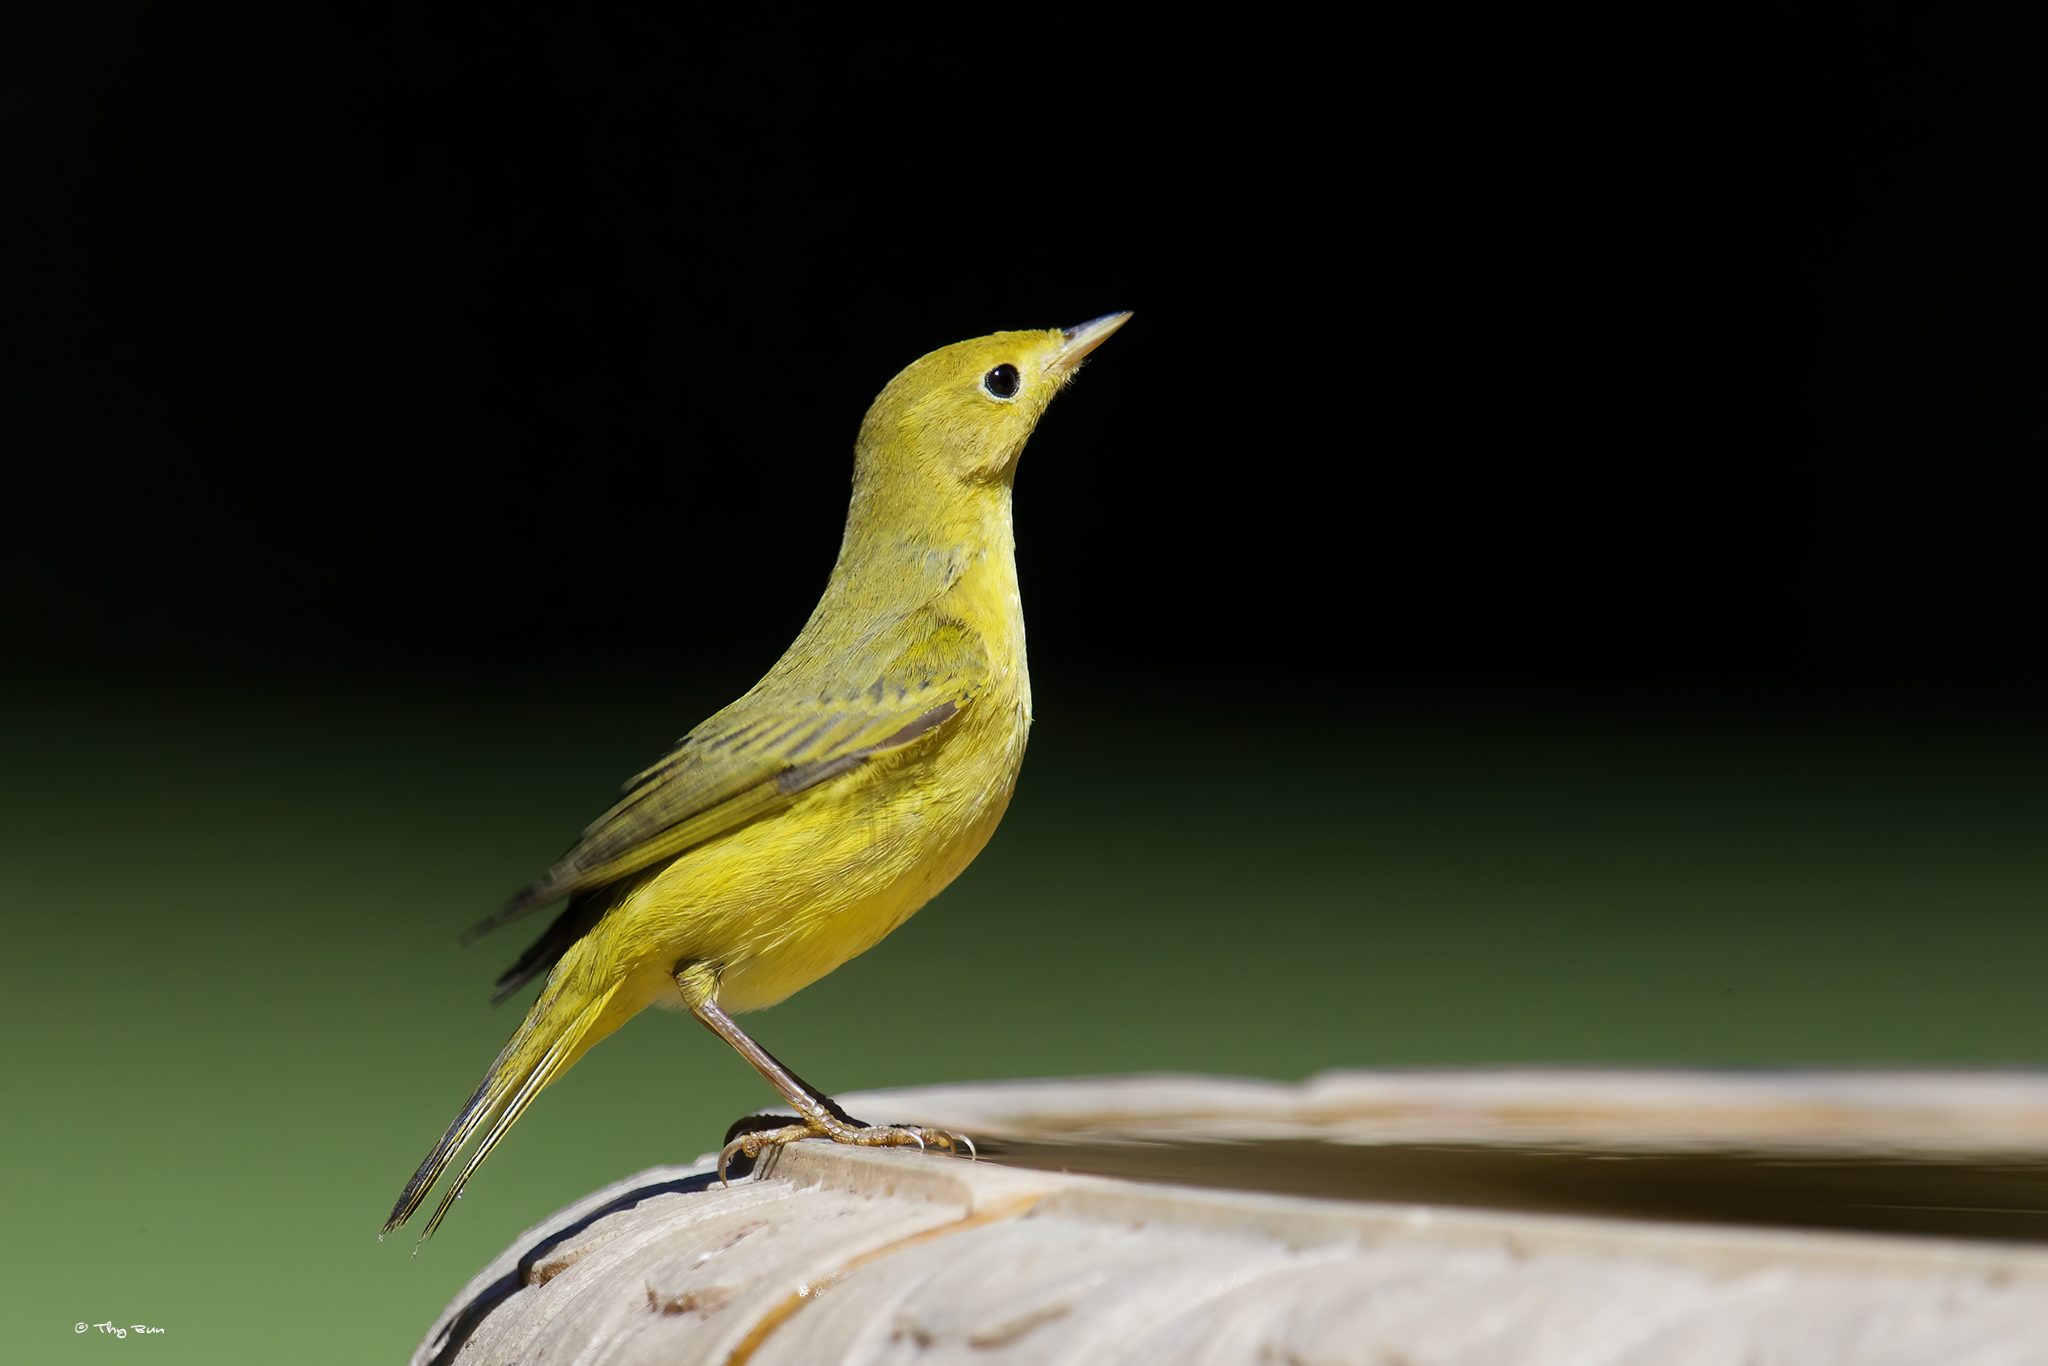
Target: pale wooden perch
{"type": "Point", "coordinates": [843, 1255]}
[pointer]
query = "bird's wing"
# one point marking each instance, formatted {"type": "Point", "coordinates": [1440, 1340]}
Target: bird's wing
{"type": "Point", "coordinates": [757, 756]}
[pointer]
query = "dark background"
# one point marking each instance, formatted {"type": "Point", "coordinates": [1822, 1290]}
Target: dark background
{"type": "Point", "coordinates": [1549, 575]}
{"type": "Point", "coordinates": [1497, 357]}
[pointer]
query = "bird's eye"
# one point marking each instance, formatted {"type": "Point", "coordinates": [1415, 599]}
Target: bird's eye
{"type": "Point", "coordinates": [1001, 382]}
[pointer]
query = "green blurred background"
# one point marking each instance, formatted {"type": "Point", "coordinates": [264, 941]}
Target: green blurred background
{"type": "Point", "coordinates": [1545, 576]}
{"type": "Point", "coordinates": [239, 1016]}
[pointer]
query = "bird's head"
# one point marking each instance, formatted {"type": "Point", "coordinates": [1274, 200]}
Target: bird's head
{"type": "Point", "coordinates": [957, 419]}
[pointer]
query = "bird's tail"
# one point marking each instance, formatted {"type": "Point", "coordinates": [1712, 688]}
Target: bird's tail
{"type": "Point", "coordinates": [569, 1017]}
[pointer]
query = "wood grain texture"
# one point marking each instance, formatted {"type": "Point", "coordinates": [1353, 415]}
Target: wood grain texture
{"type": "Point", "coordinates": [859, 1256]}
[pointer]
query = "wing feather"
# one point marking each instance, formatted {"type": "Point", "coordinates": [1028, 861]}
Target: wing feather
{"type": "Point", "coordinates": [755, 758]}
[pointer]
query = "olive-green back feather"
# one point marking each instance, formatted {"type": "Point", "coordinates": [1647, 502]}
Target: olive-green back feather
{"type": "Point", "coordinates": [757, 756]}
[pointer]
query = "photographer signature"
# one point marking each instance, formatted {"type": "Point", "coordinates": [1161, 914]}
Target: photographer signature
{"type": "Point", "coordinates": [119, 1330]}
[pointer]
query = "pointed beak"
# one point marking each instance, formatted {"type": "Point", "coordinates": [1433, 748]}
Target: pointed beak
{"type": "Point", "coordinates": [1083, 339]}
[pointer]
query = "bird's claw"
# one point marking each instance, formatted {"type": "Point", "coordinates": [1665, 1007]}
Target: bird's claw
{"type": "Point", "coordinates": [752, 1144]}
{"type": "Point", "coordinates": [945, 1140]}
{"type": "Point", "coordinates": [725, 1157]}
{"type": "Point", "coordinates": [745, 1146]}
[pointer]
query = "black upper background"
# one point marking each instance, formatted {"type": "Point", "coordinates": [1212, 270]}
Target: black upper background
{"type": "Point", "coordinates": [1472, 351]}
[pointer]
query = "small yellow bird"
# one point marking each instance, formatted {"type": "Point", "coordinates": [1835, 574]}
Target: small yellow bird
{"type": "Point", "coordinates": [799, 825]}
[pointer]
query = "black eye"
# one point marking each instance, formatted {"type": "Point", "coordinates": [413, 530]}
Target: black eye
{"type": "Point", "coordinates": [1001, 382]}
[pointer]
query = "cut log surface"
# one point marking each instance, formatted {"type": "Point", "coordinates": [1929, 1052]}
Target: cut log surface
{"type": "Point", "coordinates": [1910, 1213]}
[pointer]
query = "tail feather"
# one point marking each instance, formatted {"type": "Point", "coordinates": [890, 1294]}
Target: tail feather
{"type": "Point", "coordinates": [437, 1161]}
{"type": "Point", "coordinates": [541, 956]}
{"type": "Point", "coordinates": [544, 1072]}
{"type": "Point", "coordinates": [555, 1033]}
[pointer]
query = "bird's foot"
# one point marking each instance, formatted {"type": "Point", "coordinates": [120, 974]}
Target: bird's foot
{"type": "Point", "coordinates": [750, 1146]}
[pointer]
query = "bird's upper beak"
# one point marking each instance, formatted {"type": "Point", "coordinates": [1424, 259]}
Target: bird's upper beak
{"type": "Point", "coordinates": [1083, 339]}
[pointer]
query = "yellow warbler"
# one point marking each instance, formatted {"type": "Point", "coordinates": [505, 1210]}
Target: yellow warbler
{"type": "Point", "coordinates": [799, 825]}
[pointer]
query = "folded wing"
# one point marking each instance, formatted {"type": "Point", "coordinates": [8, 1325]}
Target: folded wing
{"type": "Point", "coordinates": [753, 759]}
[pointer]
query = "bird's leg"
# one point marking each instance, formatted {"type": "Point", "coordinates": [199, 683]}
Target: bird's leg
{"type": "Point", "coordinates": [820, 1117]}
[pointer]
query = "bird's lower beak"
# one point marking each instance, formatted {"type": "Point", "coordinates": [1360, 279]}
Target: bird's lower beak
{"type": "Point", "coordinates": [1083, 339]}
